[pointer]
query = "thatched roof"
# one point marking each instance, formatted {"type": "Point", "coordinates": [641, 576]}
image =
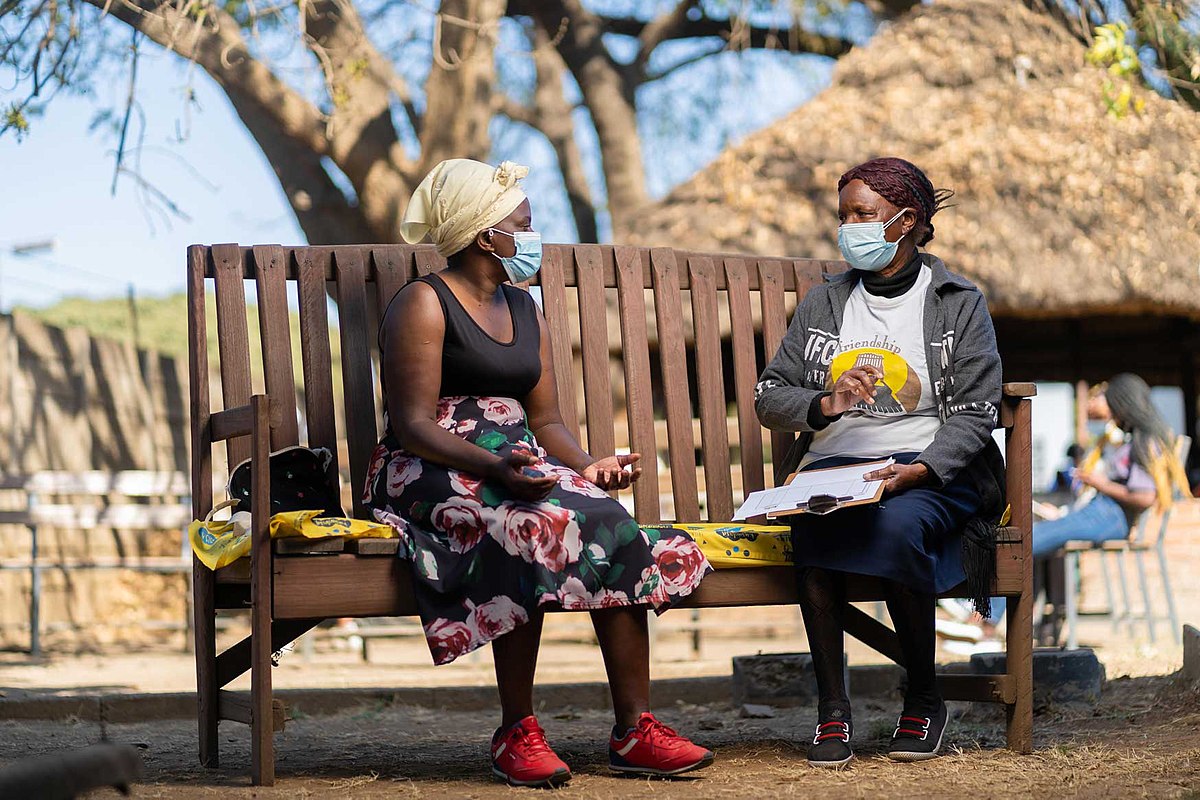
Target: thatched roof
{"type": "Point", "coordinates": [1062, 209]}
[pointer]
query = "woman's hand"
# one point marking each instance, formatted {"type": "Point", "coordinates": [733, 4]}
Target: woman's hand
{"type": "Point", "coordinates": [854, 385]}
{"type": "Point", "coordinates": [610, 473]}
{"type": "Point", "coordinates": [1096, 480]}
{"type": "Point", "coordinates": [900, 477]}
{"type": "Point", "coordinates": [516, 474]}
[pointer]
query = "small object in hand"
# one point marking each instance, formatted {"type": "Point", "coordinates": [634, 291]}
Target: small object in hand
{"type": "Point", "coordinates": [530, 472]}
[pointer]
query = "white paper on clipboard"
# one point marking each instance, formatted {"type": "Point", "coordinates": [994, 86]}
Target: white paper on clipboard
{"type": "Point", "coordinates": [845, 484]}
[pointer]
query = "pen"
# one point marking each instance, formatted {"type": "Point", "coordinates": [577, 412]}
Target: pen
{"type": "Point", "coordinates": [846, 499]}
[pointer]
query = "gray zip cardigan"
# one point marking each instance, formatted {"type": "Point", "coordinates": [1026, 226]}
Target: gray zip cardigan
{"type": "Point", "coordinates": [964, 366]}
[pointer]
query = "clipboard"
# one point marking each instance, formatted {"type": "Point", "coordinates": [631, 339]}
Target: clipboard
{"type": "Point", "coordinates": [817, 491]}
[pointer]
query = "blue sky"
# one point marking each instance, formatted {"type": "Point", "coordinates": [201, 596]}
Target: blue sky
{"type": "Point", "coordinates": [58, 182]}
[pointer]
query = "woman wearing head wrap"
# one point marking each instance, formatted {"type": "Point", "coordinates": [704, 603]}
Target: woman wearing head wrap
{"type": "Point", "coordinates": [893, 359]}
{"type": "Point", "coordinates": [498, 509]}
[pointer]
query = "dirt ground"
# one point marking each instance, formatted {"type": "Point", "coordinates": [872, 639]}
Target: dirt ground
{"type": "Point", "coordinates": [1142, 740]}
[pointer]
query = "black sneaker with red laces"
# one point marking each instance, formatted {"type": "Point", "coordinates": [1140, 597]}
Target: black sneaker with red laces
{"type": "Point", "coordinates": [918, 737]}
{"type": "Point", "coordinates": [831, 743]}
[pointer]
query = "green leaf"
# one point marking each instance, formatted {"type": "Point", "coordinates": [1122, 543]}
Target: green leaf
{"type": "Point", "coordinates": [649, 586]}
{"type": "Point", "coordinates": [614, 574]}
{"type": "Point", "coordinates": [492, 441]}
{"type": "Point", "coordinates": [491, 496]}
{"type": "Point", "coordinates": [653, 534]}
{"type": "Point", "coordinates": [627, 530]}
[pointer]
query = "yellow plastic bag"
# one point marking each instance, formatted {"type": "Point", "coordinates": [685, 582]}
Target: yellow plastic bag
{"type": "Point", "coordinates": [310, 525]}
{"type": "Point", "coordinates": [219, 544]}
{"type": "Point", "coordinates": [728, 545]}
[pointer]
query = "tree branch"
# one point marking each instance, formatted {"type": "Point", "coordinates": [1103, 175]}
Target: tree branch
{"type": "Point", "coordinates": [461, 78]}
{"type": "Point", "coordinates": [608, 91]}
{"type": "Point", "coordinates": [515, 110]}
{"type": "Point", "coordinates": [1159, 25]}
{"type": "Point", "coordinates": [361, 80]}
{"type": "Point", "coordinates": [687, 62]}
{"type": "Point", "coordinates": [288, 129]}
{"type": "Point", "coordinates": [736, 34]}
{"type": "Point", "coordinates": [661, 29]}
{"type": "Point", "coordinates": [555, 121]}
{"type": "Point", "coordinates": [212, 40]}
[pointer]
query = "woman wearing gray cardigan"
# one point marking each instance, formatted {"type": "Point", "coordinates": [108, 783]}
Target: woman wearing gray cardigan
{"type": "Point", "coordinates": [895, 358]}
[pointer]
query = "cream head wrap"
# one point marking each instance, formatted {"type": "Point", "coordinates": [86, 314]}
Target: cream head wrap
{"type": "Point", "coordinates": [458, 199]}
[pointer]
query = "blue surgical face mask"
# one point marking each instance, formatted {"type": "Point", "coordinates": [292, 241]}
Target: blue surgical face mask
{"type": "Point", "coordinates": [864, 246]}
{"type": "Point", "coordinates": [525, 263]}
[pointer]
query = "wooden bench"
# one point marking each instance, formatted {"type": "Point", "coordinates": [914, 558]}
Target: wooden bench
{"type": "Point", "coordinates": [677, 311]}
{"type": "Point", "coordinates": [132, 501]}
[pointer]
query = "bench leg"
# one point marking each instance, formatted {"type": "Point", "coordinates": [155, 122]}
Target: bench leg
{"type": "Point", "coordinates": [1020, 669]}
{"type": "Point", "coordinates": [204, 628]}
{"type": "Point", "coordinates": [262, 728]}
{"type": "Point", "coordinates": [262, 743]}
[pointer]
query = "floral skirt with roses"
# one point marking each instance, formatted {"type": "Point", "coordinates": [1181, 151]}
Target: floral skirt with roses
{"type": "Point", "coordinates": [483, 561]}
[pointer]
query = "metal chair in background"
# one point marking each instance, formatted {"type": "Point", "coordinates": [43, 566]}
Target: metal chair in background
{"type": "Point", "coordinates": [1139, 545]}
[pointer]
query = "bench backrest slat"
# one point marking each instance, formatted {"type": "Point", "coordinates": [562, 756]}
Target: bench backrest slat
{"type": "Point", "coordinates": [198, 384]}
{"type": "Point", "coordinates": [672, 357]}
{"type": "Point", "coordinates": [232, 337]}
{"type": "Point", "coordinates": [710, 386]}
{"type": "Point", "coordinates": [745, 373]}
{"type": "Point", "coordinates": [428, 261]}
{"type": "Point", "coordinates": [629, 303]}
{"type": "Point", "coordinates": [774, 326]}
{"type": "Point", "coordinates": [314, 348]}
{"type": "Point", "coordinates": [392, 270]}
{"type": "Point", "coordinates": [593, 327]}
{"type": "Point", "coordinates": [639, 395]}
{"type": "Point", "coordinates": [270, 274]}
{"type": "Point", "coordinates": [357, 381]}
{"type": "Point", "coordinates": [554, 306]}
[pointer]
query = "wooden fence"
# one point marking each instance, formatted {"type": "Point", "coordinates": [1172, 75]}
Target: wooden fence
{"type": "Point", "coordinates": [73, 402]}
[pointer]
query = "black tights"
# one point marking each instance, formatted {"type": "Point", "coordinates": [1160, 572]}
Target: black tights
{"type": "Point", "coordinates": [823, 603]}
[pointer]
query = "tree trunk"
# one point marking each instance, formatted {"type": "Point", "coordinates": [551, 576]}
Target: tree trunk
{"type": "Point", "coordinates": [608, 94]}
{"type": "Point", "coordinates": [459, 88]}
{"type": "Point", "coordinates": [553, 118]}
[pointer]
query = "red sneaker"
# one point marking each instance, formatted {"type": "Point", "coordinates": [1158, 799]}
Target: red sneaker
{"type": "Point", "coordinates": [652, 748]}
{"type": "Point", "coordinates": [521, 756]}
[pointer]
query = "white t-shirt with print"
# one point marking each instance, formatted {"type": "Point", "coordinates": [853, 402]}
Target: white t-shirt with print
{"type": "Point", "coordinates": [887, 333]}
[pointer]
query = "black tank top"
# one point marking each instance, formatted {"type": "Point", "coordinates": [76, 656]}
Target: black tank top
{"type": "Point", "coordinates": [475, 364]}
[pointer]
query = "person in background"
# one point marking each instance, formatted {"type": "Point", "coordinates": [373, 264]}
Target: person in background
{"type": "Point", "coordinates": [1140, 473]}
{"type": "Point", "coordinates": [1135, 475]}
{"type": "Point", "coordinates": [499, 511]}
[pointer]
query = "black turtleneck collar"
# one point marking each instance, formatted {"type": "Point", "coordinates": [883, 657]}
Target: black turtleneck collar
{"type": "Point", "coordinates": [897, 284]}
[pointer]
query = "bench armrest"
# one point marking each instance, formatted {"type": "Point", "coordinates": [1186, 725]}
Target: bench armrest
{"type": "Point", "coordinates": [1020, 390]}
{"type": "Point", "coordinates": [239, 421]}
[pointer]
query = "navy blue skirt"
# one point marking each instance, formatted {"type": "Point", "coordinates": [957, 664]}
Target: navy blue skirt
{"type": "Point", "coordinates": [913, 538]}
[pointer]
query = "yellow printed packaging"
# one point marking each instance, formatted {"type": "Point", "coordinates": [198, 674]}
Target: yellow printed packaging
{"type": "Point", "coordinates": [218, 544]}
{"type": "Point", "coordinates": [728, 545]}
{"type": "Point", "coordinates": [311, 525]}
